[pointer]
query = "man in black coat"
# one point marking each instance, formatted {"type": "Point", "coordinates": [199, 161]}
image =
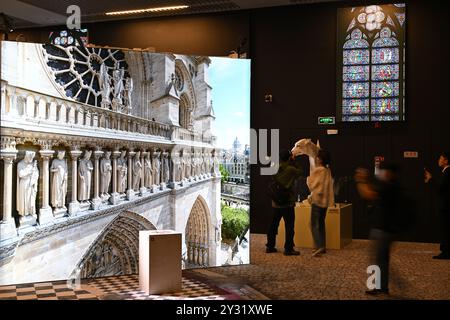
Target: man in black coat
{"type": "Point", "coordinates": [442, 188]}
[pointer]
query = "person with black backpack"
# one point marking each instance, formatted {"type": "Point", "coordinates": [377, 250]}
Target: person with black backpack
{"type": "Point", "coordinates": [283, 202]}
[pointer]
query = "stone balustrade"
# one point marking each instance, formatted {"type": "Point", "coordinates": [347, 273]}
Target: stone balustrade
{"type": "Point", "coordinates": [179, 133]}
{"type": "Point", "coordinates": [23, 106]}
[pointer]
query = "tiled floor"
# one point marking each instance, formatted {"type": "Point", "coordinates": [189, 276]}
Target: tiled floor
{"type": "Point", "coordinates": [341, 274]}
{"type": "Point", "coordinates": [56, 290]}
{"type": "Point", "coordinates": [195, 285]}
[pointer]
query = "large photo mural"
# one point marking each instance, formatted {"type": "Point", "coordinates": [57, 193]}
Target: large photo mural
{"type": "Point", "coordinates": [98, 143]}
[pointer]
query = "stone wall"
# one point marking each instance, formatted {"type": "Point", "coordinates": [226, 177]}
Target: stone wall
{"type": "Point", "coordinates": [53, 252]}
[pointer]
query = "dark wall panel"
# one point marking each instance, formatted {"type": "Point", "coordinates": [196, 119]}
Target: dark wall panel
{"type": "Point", "coordinates": [212, 34]}
{"type": "Point", "coordinates": [293, 52]}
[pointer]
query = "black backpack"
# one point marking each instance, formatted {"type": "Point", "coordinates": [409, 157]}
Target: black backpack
{"type": "Point", "coordinates": [278, 193]}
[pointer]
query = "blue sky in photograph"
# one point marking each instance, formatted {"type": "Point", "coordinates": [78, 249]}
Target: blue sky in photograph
{"type": "Point", "coordinates": [230, 80]}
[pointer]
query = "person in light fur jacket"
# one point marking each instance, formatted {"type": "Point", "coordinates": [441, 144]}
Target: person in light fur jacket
{"type": "Point", "coordinates": [320, 183]}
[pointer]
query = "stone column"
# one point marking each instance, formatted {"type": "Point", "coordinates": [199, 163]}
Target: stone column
{"type": "Point", "coordinates": [74, 205]}
{"type": "Point", "coordinates": [143, 189]}
{"type": "Point", "coordinates": [96, 201]}
{"type": "Point", "coordinates": [7, 225]}
{"type": "Point", "coordinates": [45, 213]}
{"type": "Point", "coordinates": [115, 196]}
{"type": "Point", "coordinates": [130, 191]}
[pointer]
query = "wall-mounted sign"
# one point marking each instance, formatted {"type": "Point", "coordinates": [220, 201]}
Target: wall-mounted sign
{"type": "Point", "coordinates": [332, 131]}
{"type": "Point", "coordinates": [411, 154]}
{"type": "Point", "coordinates": [326, 120]}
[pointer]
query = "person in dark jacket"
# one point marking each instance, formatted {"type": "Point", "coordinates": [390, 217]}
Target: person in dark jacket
{"type": "Point", "coordinates": [289, 170]}
{"type": "Point", "coordinates": [385, 194]}
{"type": "Point", "coordinates": [442, 188]}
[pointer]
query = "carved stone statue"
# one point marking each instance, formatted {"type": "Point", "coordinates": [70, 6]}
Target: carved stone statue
{"type": "Point", "coordinates": [216, 170]}
{"type": "Point", "coordinates": [148, 171]}
{"type": "Point", "coordinates": [105, 85]}
{"type": "Point", "coordinates": [137, 170]}
{"type": "Point", "coordinates": [204, 161]}
{"type": "Point", "coordinates": [193, 164]}
{"type": "Point", "coordinates": [307, 147]}
{"type": "Point", "coordinates": [85, 169]}
{"type": "Point", "coordinates": [198, 167]}
{"type": "Point", "coordinates": [127, 94]}
{"type": "Point", "coordinates": [181, 165]}
{"type": "Point", "coordinates": [156, 169]}
{"type": "Point", "coordinates": [27, 185]}
{"type": "Point", "coordinates": [207, 163]}
{"type": "Point", "coordinates": [166, 168]}
{"type": "Point", "coordinates": [59, 181]}
{"type": "Point", "coordinates": [105, 172]}
{"type": "Point", "coordinates": [187, 168]}
{"type": "Point", "coordinates": [122, 170]}
{"type": "Point", "coordinates": [118, 88]}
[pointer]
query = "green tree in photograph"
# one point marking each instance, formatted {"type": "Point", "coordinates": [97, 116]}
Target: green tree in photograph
{"type": "Point", "coordinates": [224, 173]}
{"type": "Point", "coordinates": [234, 222]}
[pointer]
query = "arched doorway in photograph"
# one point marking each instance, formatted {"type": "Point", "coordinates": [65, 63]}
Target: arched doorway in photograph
{"type": "Point", "coordinates": [116, 249]}
{"type": "Point", "coordinates": [197, 235]}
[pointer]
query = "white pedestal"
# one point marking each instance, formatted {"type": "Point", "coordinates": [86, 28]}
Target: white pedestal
{"type": "Point", "coordinates": [115, 198]}
{"type": "Point", "coordinates": [28, 221]}
{"type": "Point", "coordinates": [130, 194]}
{"type": "Point", "coordinates": [74, 207]}
{"type": "Point", "coordinates": [96, 203]}
{"type": "Point", "coordinates": [45, 216]}
{"type": "Point", "coordinates": [8, 230]}
{"type": "Point", "coordinates": [159, 261]}
{"type": "Point", "coordinates": [338, 227]}
{"type": "Point", "coordinates": [59, 212]}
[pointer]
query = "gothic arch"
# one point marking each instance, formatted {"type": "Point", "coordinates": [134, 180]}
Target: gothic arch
{"type": "Point", "coordinates": [185, 112]}
{"type": "Point", "coordinates": [197, 235]}
{"type": "Point", "coordinates": [188, 86]}
{"type": "Point", "coordinates": [116, 249]}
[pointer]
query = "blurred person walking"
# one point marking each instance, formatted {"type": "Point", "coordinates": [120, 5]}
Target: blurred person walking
{"type": "Point", "coordinates": [386, 195]}
{"type": "Point", "coordinates": [320, 183]}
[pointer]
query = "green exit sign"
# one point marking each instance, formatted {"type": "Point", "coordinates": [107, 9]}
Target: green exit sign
{"type": "Point", "coordinates": [327, 120]}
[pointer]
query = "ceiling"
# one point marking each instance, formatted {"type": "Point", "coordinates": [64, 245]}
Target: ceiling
{"type": "Point", "coordinates": [39, 13]}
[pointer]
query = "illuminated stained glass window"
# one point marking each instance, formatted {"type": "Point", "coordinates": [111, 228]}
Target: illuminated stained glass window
{"type": "Point", "coordinates": [66, 38]}
{"type": "Point", "coordinates": [371, 86]}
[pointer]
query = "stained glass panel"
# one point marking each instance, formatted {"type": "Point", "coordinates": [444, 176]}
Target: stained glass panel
{"type": "Point", "coordinates": [369, 87]}
{"type": "Point", "coordinates": [385, 55]}
{"type": "Point", "coordinates": [356, 73]}
{"type": "Point", "coordinates": [385, 42]}
{"type": "Point", "coordinates": [386, 118]}
{"type": "Point", "coordinates": [355, 106]}
{"type": "Point", "coordinates": [401, 18]}
{"type": "Point", "coordinates": [356, 90]}
{"type": "Point", "coordinates": [356, 44]}
{"type": "Point", "coordinates": [384, 106]}
{"type": "Point", "coordinates": [355, 118]}
{"type": "Point", "coordinates": [352, 57]}
{"type": "Point", "coordinates": [385, 89]}
{"type": "Point", "coordinates": [385, 72]}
